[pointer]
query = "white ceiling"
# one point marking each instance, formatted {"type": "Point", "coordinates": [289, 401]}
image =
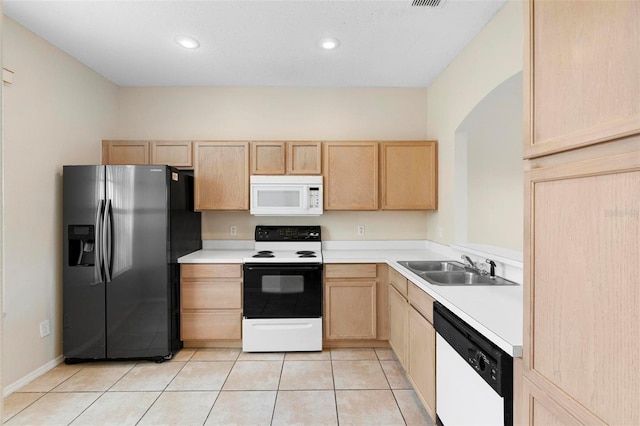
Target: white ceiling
{"type": "Point", "coordinates": [385, 43]}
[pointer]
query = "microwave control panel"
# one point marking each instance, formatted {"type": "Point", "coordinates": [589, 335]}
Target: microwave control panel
{"type": "Point", "coordinates": [314, 197]}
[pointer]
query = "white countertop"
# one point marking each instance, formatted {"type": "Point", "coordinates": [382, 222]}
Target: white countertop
{"type": "Point", "coordinates": [496, 312]}
{"type": "Point", "coordinates": [216, 256]}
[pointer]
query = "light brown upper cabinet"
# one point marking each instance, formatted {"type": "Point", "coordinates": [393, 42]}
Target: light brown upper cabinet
{"type": "Point", "coordinates": [221, 175]}
{"type": "Point", "coordinates": [292, 158]}
{"type": "Point", "coordinates": [174, 153]}
{"type": "Point", "coordinates": [350, 175]}
{"type": "Point", "coordinates": [409, 175]}
{"type": "Point", "coordinates": [581, 74]}
{"type": "Point", "coordinates": [125, 152]}
{"type": "Point", "coordinates": [304, 158]}
{"type": "Point", "coordinates": [268, 158]}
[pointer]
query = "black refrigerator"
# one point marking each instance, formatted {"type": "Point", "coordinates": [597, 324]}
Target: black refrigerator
{"type": "Point", "coordinates": [124, 228]}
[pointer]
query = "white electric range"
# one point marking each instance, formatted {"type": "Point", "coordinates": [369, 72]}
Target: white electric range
{"type": "Point", "coordinates": [282, 290]}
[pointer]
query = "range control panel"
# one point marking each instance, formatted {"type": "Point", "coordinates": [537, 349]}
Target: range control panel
{"type": "Point", "coordinates": [288, 233]}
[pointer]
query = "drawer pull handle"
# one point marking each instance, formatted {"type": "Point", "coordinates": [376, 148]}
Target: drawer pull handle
{"type": "Point", "coordinates": [276, 326]}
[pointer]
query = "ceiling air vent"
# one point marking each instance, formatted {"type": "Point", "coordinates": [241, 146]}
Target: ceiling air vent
{"type": "Point", "coordinates": [427, 3]}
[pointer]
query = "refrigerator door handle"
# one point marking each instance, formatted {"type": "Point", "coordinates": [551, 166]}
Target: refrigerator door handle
{"type": "Point", "coordinates": [106, 240]}
{"type": "Point", "coordinates": [99, 275]}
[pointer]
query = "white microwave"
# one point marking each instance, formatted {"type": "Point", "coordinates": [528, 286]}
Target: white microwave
{"type": "Point", "coordinates": [286, 195]}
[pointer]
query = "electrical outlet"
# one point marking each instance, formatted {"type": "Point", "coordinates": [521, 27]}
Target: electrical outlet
{"type": "Point", "coordinates": [360, 230]}
{"type": "Point", "coordinates": [233, 230]}
{"type": "Point", "coordinates": [45, 328]}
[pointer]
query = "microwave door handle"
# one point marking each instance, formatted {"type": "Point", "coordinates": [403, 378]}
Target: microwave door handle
{"type": "Point", "coordinates": [305, 199]}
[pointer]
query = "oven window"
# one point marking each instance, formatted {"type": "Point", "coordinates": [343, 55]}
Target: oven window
{"type": "Point", "coordinates": [283, 284]}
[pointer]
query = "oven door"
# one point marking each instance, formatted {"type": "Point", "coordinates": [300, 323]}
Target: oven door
{"type": "Point", "coordinates": [276, 290]}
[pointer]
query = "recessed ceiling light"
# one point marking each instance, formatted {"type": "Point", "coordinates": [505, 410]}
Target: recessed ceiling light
{"type": "Point", "coordinates": [187, 42]}
{"type": "Point", "coordinates": [329, 43]}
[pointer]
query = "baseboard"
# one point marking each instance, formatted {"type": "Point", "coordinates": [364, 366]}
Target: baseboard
{"type": "Point", "coordinates": [8, 390]}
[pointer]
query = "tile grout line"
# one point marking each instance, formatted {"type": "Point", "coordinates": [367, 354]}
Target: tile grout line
{"type": "Point", "coordinates": [275, 402]}
{"type": "Point", "coordinates": [335, 392]}
{"type": "Point", "coordinates": [221, 386]}
{"type": "Point", "coordinates": [391, 389]}
{"type": "Point", "coordinates": [164, 390]}
{"type": "Point", "coordinates": [101, 394]}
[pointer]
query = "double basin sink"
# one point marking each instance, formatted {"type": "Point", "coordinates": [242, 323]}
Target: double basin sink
{"type": "Point", "coordinates": [440, 272]}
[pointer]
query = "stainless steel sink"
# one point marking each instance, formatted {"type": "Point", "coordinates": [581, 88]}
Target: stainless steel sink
{"type": "Point", "coordinates": [418, 266]}
{"type": "Point", "coordinates": [444, 272]}
{"type": "Point", "coordinates": [463, 278]}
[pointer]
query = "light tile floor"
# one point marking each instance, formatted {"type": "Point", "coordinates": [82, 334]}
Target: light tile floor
{"type": "Point", "coordinates": [224, 387]}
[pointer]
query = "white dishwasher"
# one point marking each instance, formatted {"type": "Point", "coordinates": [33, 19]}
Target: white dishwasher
{"type": "Point", "coordinates": [474, 377]}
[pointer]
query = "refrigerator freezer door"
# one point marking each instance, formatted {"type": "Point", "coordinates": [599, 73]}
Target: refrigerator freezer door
{"type": "Point", "coordinates": [137, 297]}
{"type": "Point", "coordinates": [83, 286]}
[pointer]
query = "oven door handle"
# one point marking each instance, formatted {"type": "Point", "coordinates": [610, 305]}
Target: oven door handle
{"type": "Point", "coordinates": [283, 268]}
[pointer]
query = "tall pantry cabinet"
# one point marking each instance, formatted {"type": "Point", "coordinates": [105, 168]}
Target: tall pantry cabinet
{"type": "Point", "coordinates": [582, 213]}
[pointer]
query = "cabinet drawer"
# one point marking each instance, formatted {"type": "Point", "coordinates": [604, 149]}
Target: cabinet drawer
{"type": "Point", "coordinates": [351, 270]}
{"type": "Point", "coordinates": [398, 281]}
{"type": "Point", "coordinates": [222, 325]}
{"type": "Point", "coordinates": [421, 301]}
{"type": "Point", "coordinates": [211, 270]}
{"type": "Point", "coordinates": [211, 295]}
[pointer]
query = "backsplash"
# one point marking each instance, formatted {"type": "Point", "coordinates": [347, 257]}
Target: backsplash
{"type": "Point", "coordinates": [336, 225]}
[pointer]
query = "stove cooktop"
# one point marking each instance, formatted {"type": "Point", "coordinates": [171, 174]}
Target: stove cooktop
{"type": "Point", "coordinates": [287, 244]}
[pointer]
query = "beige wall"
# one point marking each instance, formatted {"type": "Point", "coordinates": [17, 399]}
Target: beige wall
{"type": "Point", "coordinates": [494, 167]}
{"type": "Point", "coordinates": [284, 113]}
{"type": "Point", "coordinates": [379, 225]}
{"type": "Point", "coordinates": [491, 58]}
{"type": "Point", "coordinates": [55, 113]}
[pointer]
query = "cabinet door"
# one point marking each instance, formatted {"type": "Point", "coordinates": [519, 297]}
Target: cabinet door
{"type": "Point", "coordinates": [581, 73]}
{"type": "Point", "coordinates": [174, 153]}
{"type": "Point", "coordinates": [125, 152]}
{"type": "Point", "coordinates": [222, 175]}
{"type": "Point", "coordinates": [267, 158]}
{"type": "Point", "coordinates": [422, 359]}
{"type": "Point", "coordinates": [398, 325]}
{"type": "Point", "coordinates": [350, 175]}
{"type": "Point", "coordinates": [582, 286]}
{"type": "Point", "coordinates": [304, 158]}
{"type": "Point", "coordinates": [409, 175]}
{"type": "Point", "coordinates": [350, 309]}
{"type": "Point", "coordinates": [541, 410]}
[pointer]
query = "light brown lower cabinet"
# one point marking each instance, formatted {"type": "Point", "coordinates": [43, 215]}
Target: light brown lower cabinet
{"type": "Point", "coordinates": [210, 302]}
{"type": "Point", "coordinates": [350, 309]}
{"type": "Point", "coordinates": [398, 325]}
{"type": "Point", "coordinates": [350, 301]}
{"type": "Point", "coordinates": [422, 359]}
{"type": "Point", "coordinates": [413, 338]}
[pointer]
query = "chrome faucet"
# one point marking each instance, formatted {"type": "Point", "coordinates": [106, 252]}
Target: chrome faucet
{"type": "Point", "coordinates": [468, 262]}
